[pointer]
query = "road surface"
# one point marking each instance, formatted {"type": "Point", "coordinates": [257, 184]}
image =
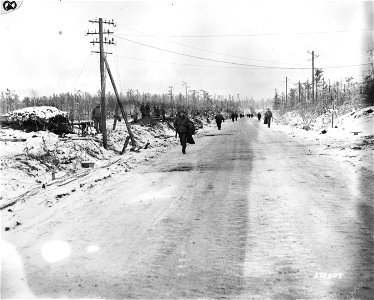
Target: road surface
{"type": "Point", "coordinates": [247, 213]}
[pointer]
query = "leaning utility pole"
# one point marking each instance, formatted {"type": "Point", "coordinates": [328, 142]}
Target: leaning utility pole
{"type": "Point", "coordinates": [101, 42]}
{"type": "Point", "coordinates": [120, 104]}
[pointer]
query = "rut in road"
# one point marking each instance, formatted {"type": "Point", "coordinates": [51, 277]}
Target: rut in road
{"type": "Point", "coordinates": [202, 242]}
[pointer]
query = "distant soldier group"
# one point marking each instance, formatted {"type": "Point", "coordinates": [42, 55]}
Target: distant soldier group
{"type": "Point", "coordinates": [267, 117]}
{"type": "Point", "coordinates": [184, 127]}
{"type": "Point", "coordinates": [234, 116]}
{"type": "Point", "coordinates": [145, 110]}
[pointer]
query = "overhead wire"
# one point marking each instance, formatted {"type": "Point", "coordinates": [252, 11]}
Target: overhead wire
{"type": "Point", "coordinates": [180, 64]}
{"type": "Point", "coordinates": [261, 34]}
{"type": "Point", "coordinates": [83, 67]}
{"type": "Point", "coordinates": [208, 59]}
{"type": "Point", "coordinates": [117, 67]}
{"type": "Point", "coordinates": [205, 50]}
{"type": "Point", "coordinates": [230, 62]}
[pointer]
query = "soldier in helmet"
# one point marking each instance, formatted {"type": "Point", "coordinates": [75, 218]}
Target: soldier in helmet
{"type": "Point", "coordinates": [233, 116]}
{"type": "Point", "coordinates": [268, 117]}
{"type": "Point", "coordinates": [181, 127]}
{"type": "Point", "coordinates": [219, 119]}
{"type": "Point", "coordinates": [96, 117]}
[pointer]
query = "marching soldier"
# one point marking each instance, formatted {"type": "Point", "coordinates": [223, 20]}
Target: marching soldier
{"type": "Point", "coordinates": [181, 125]}
{"type": "Point", "coordinates": [268, 117]}
{"type": "Point", "coordinates": [96, 117]}
{"type": "Point", "coordinates": [219, 119]}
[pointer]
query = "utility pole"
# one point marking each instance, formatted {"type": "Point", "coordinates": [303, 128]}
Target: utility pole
{"type": "Point", "coordinates": [286, 92]}
{"type": "Point", "coordinates": [313, 56]}
{"type": "Point", "coordinates": [312, 76]}
{"type": "Point", "coordinates": [187, 87]}
{"type": "Point", "coordinates": [299, 92]}
{"type": "Point", "coordinates": [102, 79]}
{"type": "Point", "coordinates": [101, 42]}
{"type": "Point", "coordinates": [171, 99]}
{"type": "Point", "coordinates": [371, 61]}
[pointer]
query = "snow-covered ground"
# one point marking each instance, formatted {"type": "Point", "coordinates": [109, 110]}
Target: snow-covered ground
{"type": "Point", "coordinates": [75, 188]}
{"type": "Point", "coordinates": [344, 119]}
{"type": "Point", "coordinates": [339, 142]}
{"type": "Point", "coordinates": [127, 224]}
{"type": "Point", "coordinates": [28, 166]}
{"type": "Point", "coordinates": [43, 112]}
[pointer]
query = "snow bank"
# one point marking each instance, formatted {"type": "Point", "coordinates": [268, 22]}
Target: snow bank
{"type": "Point", "coordinates": [38, 118]}
{"type": "Point", "coordinates": [27, 165]}
{"type": "Point", "coordinates": [292, 118]}
{"type": "Point", "coordinates": [360, 120]}
{"type": "Point", "coordinates": [42, 112]}
{"type": "Point", "coordinates": [339, 142]}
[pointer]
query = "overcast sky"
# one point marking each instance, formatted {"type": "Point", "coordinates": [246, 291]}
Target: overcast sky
{"type": "Point", "coordinates": [44, 47]}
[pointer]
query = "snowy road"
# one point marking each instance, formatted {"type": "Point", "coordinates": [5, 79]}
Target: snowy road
{"type": "Point", "coordinates": [247, 213]}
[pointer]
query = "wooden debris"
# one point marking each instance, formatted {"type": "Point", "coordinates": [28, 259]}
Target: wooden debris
{"type": "Point", "coordinates": [125, 145]}
{"type": "Point", "coordinates": [356, 132]}
{"type": "Point", "coordinates": [87, 164]}
{"type": "Point", "coordinates": [13, 140]}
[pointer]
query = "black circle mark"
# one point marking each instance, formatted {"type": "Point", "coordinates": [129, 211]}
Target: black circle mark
{"type": "Point", "coordinates": [8, 5]}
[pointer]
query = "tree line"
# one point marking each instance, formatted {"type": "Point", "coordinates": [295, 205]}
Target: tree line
{"type": "Point", "coordinates": [79, 105]}
{"type": "Point", "coordinates": [327, 95]}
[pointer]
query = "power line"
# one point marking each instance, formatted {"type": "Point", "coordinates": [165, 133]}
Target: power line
{"type": "Point", "coordinates": [210, 59]}
{"type": "Point", "coordinates": [205, 50]}
{"type": "Point", "coordinates": [117, 66]}
{"type": "Point", "coordinates": [254, 34]}
{"type": "Point", "coordinates": [228, 62]}
{"type": "Point", "coordinates": [208, 66]}
{"type": "Point", "coordinates": [180, 64]}
{"type": "Point", "coordinates": [348, 66]}
{"type": "Point", "coordinates": [84, 65]}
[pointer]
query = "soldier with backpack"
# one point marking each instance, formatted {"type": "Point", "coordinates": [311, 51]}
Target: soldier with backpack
{"type": "Point", "coordinates": [219, 119]}
{"type": "Point", "coordinates": [185, 129]}
{"type": "Point", "coordinates": [268, 117]}
{"type": "Point", "coordinates": [233, 116]}
{"type": "Point", "coordinates": [96, 117]}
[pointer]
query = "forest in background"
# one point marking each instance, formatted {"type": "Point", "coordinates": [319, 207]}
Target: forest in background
{"type": "Point", "coordinates": [327, 96]}
{"type": "Point", "coordinates": [79, 105]}
{"type": "Point", "coordinates": [341, 96]}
